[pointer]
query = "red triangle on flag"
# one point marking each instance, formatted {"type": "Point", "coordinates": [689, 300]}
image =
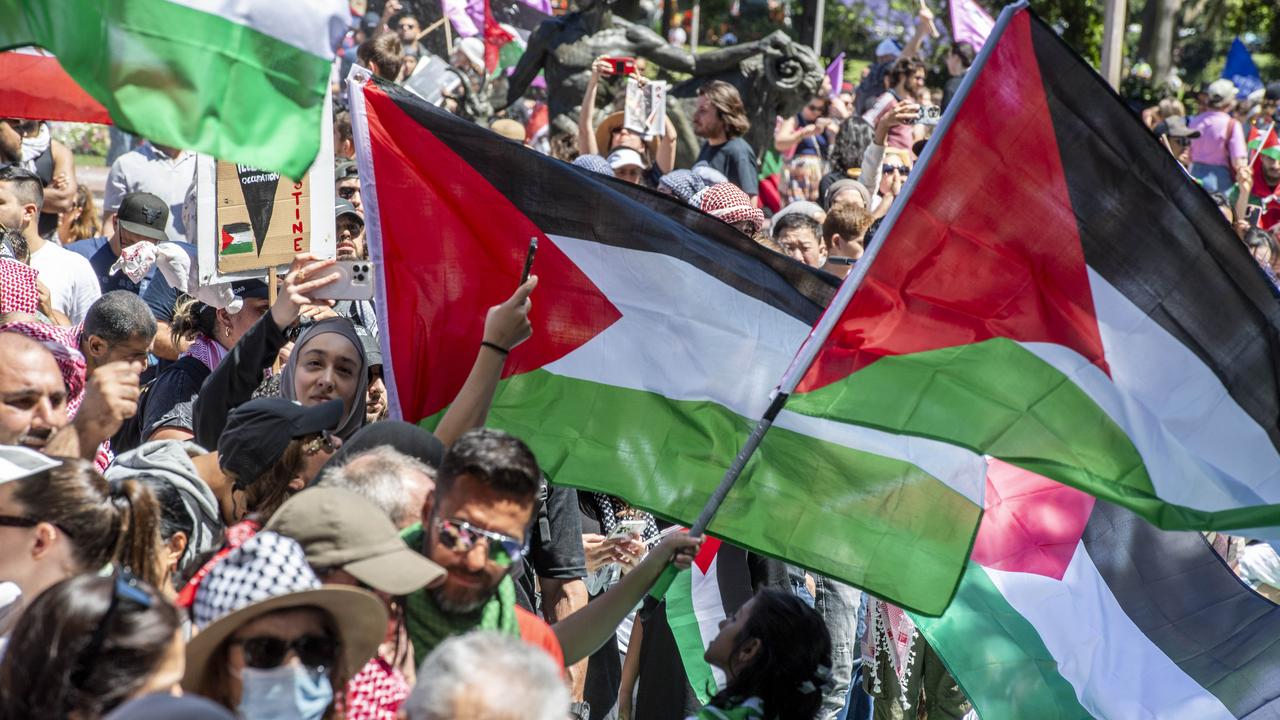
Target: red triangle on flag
{"type": "Point", "coordinates": [457, 246]}
{"type": "Point", "coordinates": [987, 245]}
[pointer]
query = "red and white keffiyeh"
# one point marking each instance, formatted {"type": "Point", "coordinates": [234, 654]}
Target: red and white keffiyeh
{"type": "Point", "coordinates": [64, 343]}
{"type": "Point", "coordinates": [729, 203]}
{"type": "Point", "coordinates": [18, 293]}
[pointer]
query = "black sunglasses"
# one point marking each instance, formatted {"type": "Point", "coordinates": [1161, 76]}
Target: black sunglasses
{"type": "Point", "coordinates": [264, 652]}
{"type": "Point", "coordinates": [124, 588]}
{"type": "Point", "coordinates": [22, 521]}
{"type": "Point", "coordinates": [347, 193]}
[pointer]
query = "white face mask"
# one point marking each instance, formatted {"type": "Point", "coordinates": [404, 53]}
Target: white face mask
{"type": "Point", "coordinates": [287, 692]}
{"type": "Point", "coordinates": [136, 260]}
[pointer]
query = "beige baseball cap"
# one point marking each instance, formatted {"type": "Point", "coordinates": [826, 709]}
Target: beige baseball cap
{"type": "Point", "coordinates": [339, 529]}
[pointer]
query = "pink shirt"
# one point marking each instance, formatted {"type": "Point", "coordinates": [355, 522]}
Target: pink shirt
{"type": "Point", "coordinates": [1212, 145]}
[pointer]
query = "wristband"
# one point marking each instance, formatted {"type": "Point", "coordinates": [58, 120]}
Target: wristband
{"type": "Point", "coordinates": [495, 347]}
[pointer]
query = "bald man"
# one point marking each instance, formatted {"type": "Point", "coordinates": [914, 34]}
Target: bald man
{"type": "Point", "coordinates": [33, 397]}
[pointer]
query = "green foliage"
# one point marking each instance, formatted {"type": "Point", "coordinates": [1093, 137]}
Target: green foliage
{"type": "Point", "coordinates": [1079, 22]}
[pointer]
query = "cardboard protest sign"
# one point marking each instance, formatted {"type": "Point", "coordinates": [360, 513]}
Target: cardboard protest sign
{"type": "Point", "coordinates": [262, 219]}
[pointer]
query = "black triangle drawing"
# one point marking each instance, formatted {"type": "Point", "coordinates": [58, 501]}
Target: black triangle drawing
{"type": "Point", "coordinates": [259, 188]}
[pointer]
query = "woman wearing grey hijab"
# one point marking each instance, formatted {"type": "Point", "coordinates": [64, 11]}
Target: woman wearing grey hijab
{"type": "Point", "coordinates": [233, 382]}
{"type": "Point", "coordinates": [328, 363]}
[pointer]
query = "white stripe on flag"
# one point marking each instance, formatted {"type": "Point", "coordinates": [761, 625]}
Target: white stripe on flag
{"type": "Point", "coordinates": [1116, 670]}
{"type": "Point", "coordinates": [314, 26]}
{"type": "Point", "coordinates": [725, 347]}
{"type": "Point", "coordinates": [1189, 431]}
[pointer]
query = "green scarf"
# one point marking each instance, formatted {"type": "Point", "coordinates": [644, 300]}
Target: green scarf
{"type": "Point", "coordinates": [429, 626]}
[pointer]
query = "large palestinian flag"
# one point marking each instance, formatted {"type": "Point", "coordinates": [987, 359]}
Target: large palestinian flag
{"type": "Point", "coordinates": [1053, 291]}
{"type": "Point", "coordinates": [1077, 608]}
{"type": "Point", "coordinates": [659, 332]}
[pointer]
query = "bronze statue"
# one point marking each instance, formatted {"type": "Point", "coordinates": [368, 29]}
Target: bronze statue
{"type": "Point", "coordinates": [775, 76]}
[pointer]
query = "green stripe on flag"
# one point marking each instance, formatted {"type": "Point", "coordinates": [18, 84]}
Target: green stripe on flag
{"type": "Point", "coordinates": [997, 657]}
{"type": "Point", "coordinates": [185, 78]}
{"type": "Point", "coordinates": [796, 500]}
{"type": "Point", "coordinates": [688, 635]}
{"type": "Point", "coordinates": [998, 398]}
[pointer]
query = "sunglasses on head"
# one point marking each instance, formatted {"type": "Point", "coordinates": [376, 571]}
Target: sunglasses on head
{"type": "Point", "coordinates": [461, 536]}
{"type": "Point", "coordinates": [124, 589]}
{"type": "Point", "coordinates": [264, 652]}
{"type": "Point", "coordinates": [327, 442]}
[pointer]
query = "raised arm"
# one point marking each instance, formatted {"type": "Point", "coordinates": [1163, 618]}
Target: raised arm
{"type": "Point", "coordinates": [583, 632]}
{"type": "Point", "coordinates": [924, 27]}
{"type": "Point", "coordinates": [505, 326]}
{"type": "Point", "coordinates": [587, 113]}
{"type": "Point", "coordinates": [531, 62]}
{"type": "Point", "coordinates": [651, 45]}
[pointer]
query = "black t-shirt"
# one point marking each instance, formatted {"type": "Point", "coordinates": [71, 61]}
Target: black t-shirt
{"type": "Point", "coordinates": [736, 161]}
{"type": "Point", "coordinates": [949, 90]}
{"type": "Point", "coordinates": [555, 546]}
{"type": "Point", "coordinates": [167, 401]}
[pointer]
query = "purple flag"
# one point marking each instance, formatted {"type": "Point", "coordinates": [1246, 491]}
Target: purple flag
{"type": "Point", "coordinates": [970, 23]}
{"type": "Point", "coordinates": [835, 73]}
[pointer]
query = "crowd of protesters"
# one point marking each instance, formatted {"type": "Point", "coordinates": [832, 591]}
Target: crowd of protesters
{"type": "Point", "coordinates": [200, 489]}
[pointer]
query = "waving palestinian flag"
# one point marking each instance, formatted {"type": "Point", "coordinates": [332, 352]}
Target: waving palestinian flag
{"type": "Point", "coordinates": [243, 81]}
{"type": "Point", "coordinates": [659, 332]}
{"type": "Point", "coordinates": [1053, 291]}
{"type": "Point", "coordinates": [1077, 608]}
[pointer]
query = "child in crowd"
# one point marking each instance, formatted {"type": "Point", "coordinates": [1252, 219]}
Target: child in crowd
{"type": "Point", "coordinates": [775, 652]}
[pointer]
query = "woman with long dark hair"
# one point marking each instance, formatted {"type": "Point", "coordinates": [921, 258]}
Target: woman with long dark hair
{"type": "Point", "coordinates": [88, 644]}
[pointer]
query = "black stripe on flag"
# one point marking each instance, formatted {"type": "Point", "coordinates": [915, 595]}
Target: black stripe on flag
{"type": "Point", "coordinates": [562, 199]}
{"type": "Point", "coordinates": [1167, 247]}
{"type": "Point", "coordinates": [1183, 597]}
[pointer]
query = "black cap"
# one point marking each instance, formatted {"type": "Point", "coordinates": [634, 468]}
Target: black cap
{"type": "Point", "coordinates": [144, 214]}
{"type": "Point", "coordinates": [258, 432]}
{"type": "Point", "coordinates": [345, 169]}
{"type": "Point", "coordinates": [344, 207]}
{"type": "Point", "coordinates": [1175, 126]}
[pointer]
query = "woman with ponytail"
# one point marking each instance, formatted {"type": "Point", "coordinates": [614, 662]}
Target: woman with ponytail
{"type": "Point", "coordinates": [775, 652]}
{"type": "Point", "coordinates": [65, 519]}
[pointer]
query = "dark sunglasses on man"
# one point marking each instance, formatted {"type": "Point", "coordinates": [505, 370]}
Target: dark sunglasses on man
{"type": "Point", "coordinates": [461, 536]}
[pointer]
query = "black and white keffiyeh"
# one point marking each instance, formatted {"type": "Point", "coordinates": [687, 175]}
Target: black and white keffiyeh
{"type": "Point", "coordinates": [266, 565]}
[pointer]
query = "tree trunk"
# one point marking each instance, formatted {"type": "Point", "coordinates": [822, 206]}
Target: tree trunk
{"type": "Point", "coordinates": [1161, 52]}
{"type": "Point", "coordinates": [1155, 45]}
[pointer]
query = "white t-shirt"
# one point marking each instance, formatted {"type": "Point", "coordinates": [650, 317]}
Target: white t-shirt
{"type": "Point", "coordinates": [147, 169]}
{"type": "Point", "coordinates": [73, 285]}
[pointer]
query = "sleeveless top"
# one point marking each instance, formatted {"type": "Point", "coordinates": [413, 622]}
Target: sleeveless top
{"type": "Point", "coordinates": [816, 145]}
{"type": "Point", "coordinates": [48, 222]}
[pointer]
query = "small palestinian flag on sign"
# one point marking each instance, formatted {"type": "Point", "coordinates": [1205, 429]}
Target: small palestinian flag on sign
{"type": "Point", "coordinates": [1053, 291]}
{"type": "Point", "coordinates": [658, 333]}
